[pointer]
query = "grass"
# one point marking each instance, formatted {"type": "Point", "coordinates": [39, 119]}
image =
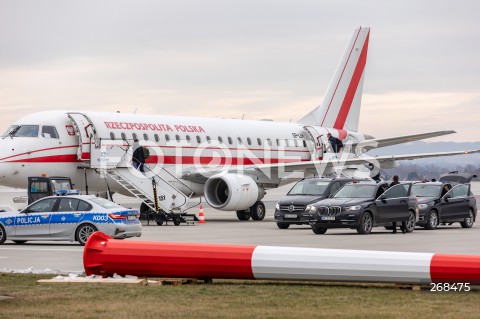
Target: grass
{"type": "Point", "coordinates": [226, 299]}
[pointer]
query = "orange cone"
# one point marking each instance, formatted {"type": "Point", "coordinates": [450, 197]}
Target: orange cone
{"type": "Point", "coordinates": [201, 217]}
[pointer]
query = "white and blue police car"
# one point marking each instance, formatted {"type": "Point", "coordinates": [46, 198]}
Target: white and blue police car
{"type": "Point", "coordinates": [69, 217]}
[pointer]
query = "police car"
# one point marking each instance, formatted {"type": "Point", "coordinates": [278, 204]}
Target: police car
{"type": "Point", "coordinates": [70, 217]}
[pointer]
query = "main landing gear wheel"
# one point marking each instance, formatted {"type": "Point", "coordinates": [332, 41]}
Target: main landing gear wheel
{"type": "Point", "coordinates": [257, 211]}
{"type": "Point", "coordinates": [243, 215]}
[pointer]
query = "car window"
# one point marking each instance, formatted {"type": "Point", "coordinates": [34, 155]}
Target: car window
{"type": "Point", "coordinates": [60, 184]}
{"type": "Point", "coordinates": [380, 190]}
{"type": "Point", "coordinates": [459, 191]}
{"type": "Point", "coordinates": [45, 205]}
{"type": "Point", "coordinates": [309, 187]}
{"type": "Point", "coordinates": [84, 206]}
{"type": "Point", "coordinates": [335, 187]}
{"type": "Point", "coordinates": [39, 187]}
{"type": "Point", "coordinates": [426, 190]}
{"type": "Point", "coordinates": [68, 205]}
{"type": "Point", "coordinates": [397, 191]}
{"type": "Point", "coordinates": [104, 203]}
{"type": "Point", "coordinates": [356, 191]}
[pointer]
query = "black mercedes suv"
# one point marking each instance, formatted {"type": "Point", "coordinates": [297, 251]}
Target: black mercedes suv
{"type": "Point", "coordinates": [364, 205]}
{"type": "Point", "coordinates": [290, 210]}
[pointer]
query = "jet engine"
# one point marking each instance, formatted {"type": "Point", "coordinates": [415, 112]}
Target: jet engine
{"type": "Point", "coordinates": [232, 192]}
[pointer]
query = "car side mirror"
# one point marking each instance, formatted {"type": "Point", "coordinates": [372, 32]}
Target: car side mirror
{"type": "Point", "coordinates": [330, 196]}
{"type": "Point", "coordinates": [383, 198]}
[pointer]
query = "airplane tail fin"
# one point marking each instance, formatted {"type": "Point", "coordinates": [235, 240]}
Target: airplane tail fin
{"type": "Point", "coordinates": [340, 108]}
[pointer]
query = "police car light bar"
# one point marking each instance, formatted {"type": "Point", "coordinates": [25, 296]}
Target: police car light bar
{"type": "Point", "coordinates": [63, 192]}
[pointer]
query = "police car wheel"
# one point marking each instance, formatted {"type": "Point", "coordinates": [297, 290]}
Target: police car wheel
{"type": "Point", "coordinates": [83, 232]}
{"type": "Point", "coordinates": [3, 235]}
{"type": "Point", "coordinates": [19, 242]}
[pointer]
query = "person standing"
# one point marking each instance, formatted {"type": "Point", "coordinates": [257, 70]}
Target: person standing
{"type": "Point", "coordinates": [138, 158]}
{"type": "Point", "coordinates": [394, 224]}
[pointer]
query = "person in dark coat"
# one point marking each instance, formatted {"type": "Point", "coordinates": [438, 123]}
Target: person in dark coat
{"type": "Point", "coordinates": [335, 142]}
{"type": "Point", "coordinates": [394, 224]}
{"type": "Point", "coordinates": [138, 159]}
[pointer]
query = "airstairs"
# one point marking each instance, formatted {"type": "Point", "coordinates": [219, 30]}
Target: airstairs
{"type": "Point", "coordinates": [165, 196]}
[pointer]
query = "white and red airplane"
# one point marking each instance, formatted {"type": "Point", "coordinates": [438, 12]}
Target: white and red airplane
{"type": "Point", "coordinates": [230, 162]}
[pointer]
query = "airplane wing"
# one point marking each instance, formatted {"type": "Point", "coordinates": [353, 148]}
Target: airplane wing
{"type": "Point", "coordinates": [369, 144]}
{"type": "Point", "coordinates": [302, 166]}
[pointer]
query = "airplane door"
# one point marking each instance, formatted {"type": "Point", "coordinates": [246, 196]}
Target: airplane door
{"type": "Point", "coordinates": [317, 150]}
{"type": "Point", "coordinates": [86, 133]}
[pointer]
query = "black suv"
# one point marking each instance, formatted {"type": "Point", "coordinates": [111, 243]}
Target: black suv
{"type": "Point", "coordinates": [362, 206]}
{"type": "Point", "coordinates": [442, 203]}
{"type": "Point", "coordinates": [290, 210]}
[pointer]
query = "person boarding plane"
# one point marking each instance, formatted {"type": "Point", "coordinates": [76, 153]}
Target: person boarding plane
{"type": "Point", "coordinates": [229, 162]}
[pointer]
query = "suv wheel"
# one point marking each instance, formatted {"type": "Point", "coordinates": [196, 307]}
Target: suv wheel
{"type": "Point", "coordinates": [283, 225]}
{"type": "Point", "coordinates": [366, 224]}
{"type": "Point", "coordinates": [3, 235]}
{"type": "Point", "coordinates": [410, 223]}
{"type": "Point", "coordinates": [468, 222]}
{"type": "Point", "coordinates": [317, 229]}
{"type": "Point", "coordinates": [432, 220]}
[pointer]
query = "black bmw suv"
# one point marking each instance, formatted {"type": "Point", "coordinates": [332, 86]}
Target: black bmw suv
{"type": "Point", "coordinates": [441, 203]}
{"type": "Point", "coordinates": [290, 210]}
{"type": "Point", "coordinates": [364, 205]}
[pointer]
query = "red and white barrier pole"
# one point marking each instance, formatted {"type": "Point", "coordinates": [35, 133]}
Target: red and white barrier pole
{"type": "Point", "coordinates": [106, 256]}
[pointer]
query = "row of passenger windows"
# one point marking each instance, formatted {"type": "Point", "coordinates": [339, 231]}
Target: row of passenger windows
{"type": "Point", "coordinates": [229, 140]}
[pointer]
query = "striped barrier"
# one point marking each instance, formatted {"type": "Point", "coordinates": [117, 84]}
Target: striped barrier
{"type": "Point", "coordinates": [106, 256]}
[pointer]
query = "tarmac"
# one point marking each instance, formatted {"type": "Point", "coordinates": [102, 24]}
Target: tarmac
{"type": "Point", "coordinates": [225, 228]}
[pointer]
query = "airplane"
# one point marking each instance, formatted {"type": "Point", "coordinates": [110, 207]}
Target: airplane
{"type": "Point", "coordinates": [231, 162]}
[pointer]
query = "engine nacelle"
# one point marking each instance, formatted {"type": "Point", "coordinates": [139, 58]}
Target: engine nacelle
{"type": "Point", "coordinates": [232, 192]}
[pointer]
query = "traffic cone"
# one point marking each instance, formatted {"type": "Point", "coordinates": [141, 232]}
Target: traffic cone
{"type": "Point", "coordinates": [201, 217]}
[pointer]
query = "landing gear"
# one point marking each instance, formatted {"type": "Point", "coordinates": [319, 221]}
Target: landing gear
{"type": "Point", "coordinates": [162, 217]}
{"type": "Point", "coordinates": [257, 212]}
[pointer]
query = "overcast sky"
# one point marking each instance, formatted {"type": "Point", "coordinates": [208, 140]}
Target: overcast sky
{"type": "Point", "coordinates": [253, 58]}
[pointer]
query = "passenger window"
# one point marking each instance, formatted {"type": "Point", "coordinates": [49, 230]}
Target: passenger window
{"type": "Point", "coordinates": [239, 140]}
{"type": "Point", "coordinates": [230, 140]}
{"type": "Point", "coordinates": [259, 142]}
{"type": "Point", "coordinates": [157, 139]}
{"type": "Point", "coordinates": [84, 206]}
{"type": "Point", "coordinates": [286, 143]}
{"type": "Point", "coordinates": [208, 139]}
{"type": "Point", "coordinates": [269, 141]}
{"type": "Point", "coordinates": [220, 140]}
{"type": "Point", "coordinates": [177, 137]}
{"type": "Point", "coordinates": [249, 141]}
{"type": "Point", "coordinates": [199, 140]}
{"type": "Point", "coordinates": [124, 137]}
{"type": "Point", "coordinates": [188, 138]}
{"type": "Point", "coordinates": [296, 143]}
{"type": "Point", "coordinates": [397, 191]}
{"type": "Point", "coordinates": [304, 143]}
{"type": "Point", "coordinates": [460, 191]}
{"type": "Point", "coordinates": [145, 136]}
{"type": "Point", "coordinates": [167, 137]}
{"type": "Point", "coordinates": [278, 142]}
{"type": "Point", "coordinates": [49, 132]}
{"type": "Point", "coordinates": [42, 206]}
{"type": "Point", "coordinates": [68, 205]}
{"type": "Point", "coordinates": [134, 136]}
{"type": "Point", "coordinates": [112, 135]}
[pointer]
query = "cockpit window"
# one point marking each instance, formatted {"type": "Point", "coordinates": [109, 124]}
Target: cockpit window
{"type": "Point", "coordinates": [25, 131]}
{"type": "Point", "coordinates": [10, 129]}
{"type": "Point", "coordinates": [49, 132]}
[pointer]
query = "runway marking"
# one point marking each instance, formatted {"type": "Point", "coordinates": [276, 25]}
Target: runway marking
{"type": "Point", "coordinates": [40, 249]}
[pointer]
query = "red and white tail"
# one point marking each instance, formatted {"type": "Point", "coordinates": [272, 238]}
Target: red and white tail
{"type": "Point", "coordinates": [340, 108]}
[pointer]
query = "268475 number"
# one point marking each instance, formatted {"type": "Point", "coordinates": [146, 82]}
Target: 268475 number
{"type": "Point", "coordinates": [446, 287]}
